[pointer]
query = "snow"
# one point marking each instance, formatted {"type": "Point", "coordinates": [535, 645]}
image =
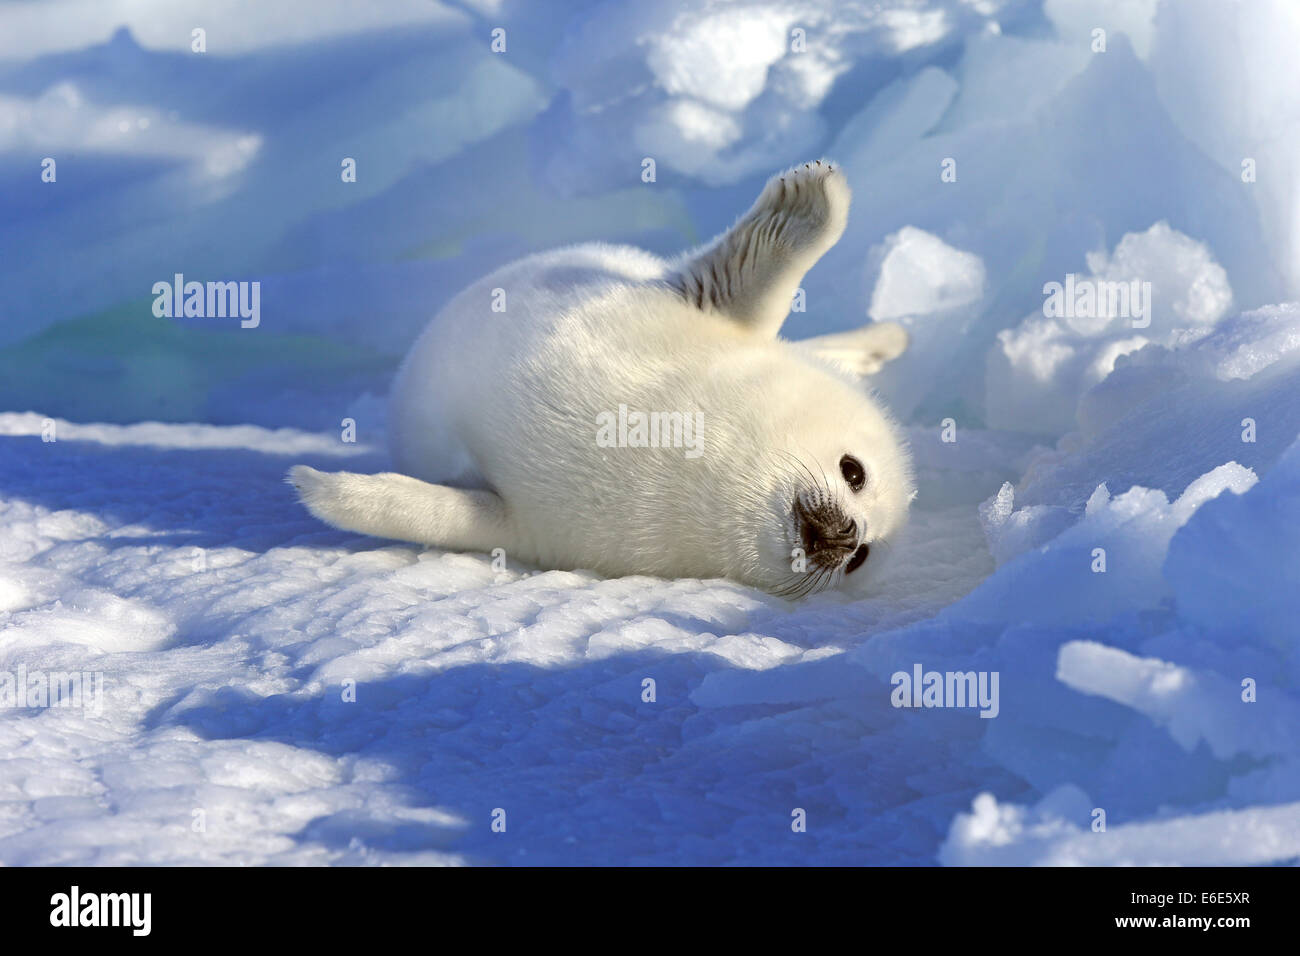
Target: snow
{"type": "Point", "coordinates": [1108, 515]}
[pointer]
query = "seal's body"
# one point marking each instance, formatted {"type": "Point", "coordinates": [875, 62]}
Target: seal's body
{"type": "Point", "coordinates": [628, 414]}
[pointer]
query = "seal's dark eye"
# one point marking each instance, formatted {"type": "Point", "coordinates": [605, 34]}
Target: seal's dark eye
{"type": "Point", "coordinates": [853, 472]}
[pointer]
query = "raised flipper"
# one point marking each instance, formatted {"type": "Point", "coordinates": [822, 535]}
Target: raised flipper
{"type": "Point", "coordinates": [863, 351]}
{"type": "Point", "coordinates": [750, 273]}
{"type": "Point", "coordinates": [397, 506]}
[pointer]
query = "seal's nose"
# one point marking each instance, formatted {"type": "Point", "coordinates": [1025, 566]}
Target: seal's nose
{"type": "Point", "coordinates": [823, 537]}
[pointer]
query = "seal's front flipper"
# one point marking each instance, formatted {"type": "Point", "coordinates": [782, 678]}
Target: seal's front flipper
{"type": "Point", "coordinates": [398, 506]}
{"type": "Point", "coordinates": [863, 351]}
{"type": "Point", "coordinates": [750, 273]}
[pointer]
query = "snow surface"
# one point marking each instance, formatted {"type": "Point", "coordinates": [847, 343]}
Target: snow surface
{"type": "Point", "coordinates": [277, 692]}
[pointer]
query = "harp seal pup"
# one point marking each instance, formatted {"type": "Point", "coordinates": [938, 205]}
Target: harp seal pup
{"type": "Point", "coordinates": [632, 415]}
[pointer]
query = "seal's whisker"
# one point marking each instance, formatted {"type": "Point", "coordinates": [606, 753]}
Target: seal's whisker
{"type": "Point", "coordinates": [804, 467]}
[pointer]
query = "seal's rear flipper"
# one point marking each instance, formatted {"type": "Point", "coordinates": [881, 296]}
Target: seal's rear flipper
{"type": "Point", "coordinates": [863, 351]}
{"type": "Point", "coordinates": [750, 273]}
{"type": "Point", "coordinates": [398, 506]}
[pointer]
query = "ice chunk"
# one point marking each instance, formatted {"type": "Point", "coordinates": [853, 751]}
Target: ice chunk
{"type": "Point", "coordinates": [739, 84]}
{"type": "Point", "coordinates": [1003, 76]}
{"type": "Point", "coordinates": [1011, 532]}
{"type": "Point", "coordinates": [1075, 20]}
{"type": "Point", "coordinates": [896, 117]}
{"type": "Point", "coordinates": [1193, 707]}
{"type": "Point", "coordinates": [62, 120]}
{"type": "Point", "coordinates": [1001, 834]}
{"type": "Point", "coordinates": [1234, 566]}
{"type": "Point", "coordinates": [934, 291]}
{"type": "Point", "coordinates": [1251, 342]}
{"type": "Point", "coordinates": [33, 30]}
{"type": "Point", "coordinates": [1157, 287]}
{"type": "Point", "coordinates": [1227, 76]}
{"type": "Point", "coordinates": [921, 275]}
{"type": "Point", "coordinates": [1165, 415]}
{"type": "Point", "coordinates": [1104, 564]}
{"type": "Point", "coordinates": [720, 57]}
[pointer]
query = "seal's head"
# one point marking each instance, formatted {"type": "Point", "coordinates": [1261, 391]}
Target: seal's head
{"type": "Point", "coordinates": [839, 487]}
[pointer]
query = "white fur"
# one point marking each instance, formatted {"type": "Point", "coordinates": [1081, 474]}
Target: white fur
{"type": "Point", "coordinates": [493, 417]}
